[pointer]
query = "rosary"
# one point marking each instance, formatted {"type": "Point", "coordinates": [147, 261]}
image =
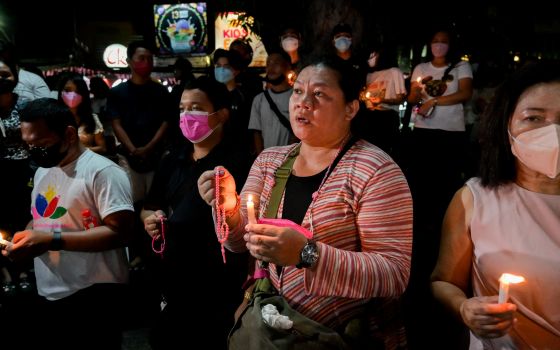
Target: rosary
{"type": "Point", "coordinates": [162, 245]}
{"type": "Point", "coordinates": [222, 227]}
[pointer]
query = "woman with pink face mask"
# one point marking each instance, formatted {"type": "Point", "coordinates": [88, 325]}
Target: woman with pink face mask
{"type": "Point", "coordinates": [175, 213]}
{"type": "Point", "coordinates": [508, 220]}
{"type": "Point", "coordinates": [74, 93]}
{"type": "Point", "coordinates": [436, 155]}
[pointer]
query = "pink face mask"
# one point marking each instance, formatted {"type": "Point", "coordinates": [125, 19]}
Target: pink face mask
{"type": "Point", "coordinates": [194, 125]}
{"type": "Point", "coordinates": [538, 149]}
{"type": "Point", "coordinates": [439, 49]}
{"type": "Point", "coordinates": [71, 98]}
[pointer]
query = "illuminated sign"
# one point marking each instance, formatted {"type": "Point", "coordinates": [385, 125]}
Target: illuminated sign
{"type": "Point", "coordinates": [229, 27]}
{"type": "Point", "coordinates": [181, 28]}
{"type": "Point", "coordinates": [114, 56]}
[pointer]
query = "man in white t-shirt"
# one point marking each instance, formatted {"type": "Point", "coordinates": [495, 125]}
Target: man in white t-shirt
{"type": "Point", "coordinates": [273, 128]}
{"type": "Point", "coordinates": [80, 272]}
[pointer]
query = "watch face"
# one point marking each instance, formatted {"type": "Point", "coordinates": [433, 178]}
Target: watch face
{"type": "Point", "coordinates": [310, 254]}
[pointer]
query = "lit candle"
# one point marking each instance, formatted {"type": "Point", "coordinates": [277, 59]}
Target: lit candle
{"type": "Point", "coordinates": [3, 242]}
{"type": "Point", "coordinates": [251, 210]}
{"type": "Point", "coordinates": [368, 94]}
{"type": "Point", "coordinates": [505, 280]}
{"type": "Point", "coordinates": [419, 80]}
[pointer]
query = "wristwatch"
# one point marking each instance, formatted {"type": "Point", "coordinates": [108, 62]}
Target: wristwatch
{"type": "Point", "coordinates": [309, 255]}
{"type": "Point", "coordinates": [56, 242]}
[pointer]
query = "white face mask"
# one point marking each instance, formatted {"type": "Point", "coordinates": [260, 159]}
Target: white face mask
{"type": "Point", "coordinates": [290, 44]}
{"type": "Point", "coordinates": [539, 149]}
{"type": "Point", "coordinates": [342, 43]}
{"type": "Point", "coordinates": [439, 49]}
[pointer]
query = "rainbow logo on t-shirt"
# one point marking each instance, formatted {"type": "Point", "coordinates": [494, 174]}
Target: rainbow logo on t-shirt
{"type": "Point", "coordinates": [46, 205]}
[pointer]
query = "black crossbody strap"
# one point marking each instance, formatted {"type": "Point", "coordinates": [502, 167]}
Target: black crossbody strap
{"type": "Point", "coordinates": [283, 173]}
{"type": "Point", "coordinates": [276, 111]}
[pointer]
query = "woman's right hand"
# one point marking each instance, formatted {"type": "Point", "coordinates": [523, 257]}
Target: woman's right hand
{"type": "Point", "coordinates": [486, 318]}
{"type": "Point", "coordinates": [152, 223]}
{"type": "Point", "coordinates": [206, 188]}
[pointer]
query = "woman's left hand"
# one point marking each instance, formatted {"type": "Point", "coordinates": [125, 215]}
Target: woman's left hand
{"type": "Point", "coordinates": [278, 245]}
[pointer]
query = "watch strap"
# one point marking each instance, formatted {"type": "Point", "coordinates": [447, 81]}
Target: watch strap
{"type": "Point", "coordinates": [56, 242]}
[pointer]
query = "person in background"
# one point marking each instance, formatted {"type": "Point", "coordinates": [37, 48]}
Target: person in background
{"type": "Point", "coordinates": [188, 222]}
{"type": "Point", "coordinates": [248, 80]}
{"type": "Point", "coordinates": [268, 128]}
{"type": "Point", "coordinates": [15, 174]}
{"type": "Point", "coordinates": [291, 42]}
{"type": "Point", "coordinates": [437, 155]}
{"type": "Point", "coordinates": [384, 92]}
{"type": "Point", "coordinates": [100, 90]}
{"type": "Point", "coordinates": [73, 92]}
{"type": "Point", "coordinates": [507, 220]}
{"type": "Point", "coordinates": [227, 66]}
{"type": "Point", "coordinates": [141, 111]}
{"type": "Point", "coordinates": [343, 49]}
{"type": "Point", "coordinates": [183, 73]}
{"type": "Point", "coordinates": [30, 86]}
{"type": "Point", "coordinates": [358, 210]}
{"type": "Point", "coordinates": [81, 273]}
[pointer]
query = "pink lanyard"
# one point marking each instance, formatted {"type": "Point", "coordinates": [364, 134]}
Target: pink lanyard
{"type": "Point", "coordinates": [162, 237]}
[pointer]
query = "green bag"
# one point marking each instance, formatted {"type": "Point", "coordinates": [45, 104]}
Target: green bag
{"type": "Point", "coordinates": [251, 332]}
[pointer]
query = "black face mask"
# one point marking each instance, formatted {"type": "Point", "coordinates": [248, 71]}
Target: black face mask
{"type": "Point", "coordinates": [47, 157]}
{"type": "Point", "coordinates": [276, 81]}
{"type": "Point", "coordinates": [6, 86]}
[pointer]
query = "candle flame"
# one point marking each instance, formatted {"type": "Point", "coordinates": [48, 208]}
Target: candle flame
{"type": "Point", "coordinates": [509, 278]}
{"type": "Point", "coordinates": [419, 80]}
{"type": "Point", "coordinates": [249, 198]}
{"type": "Point", "coordinates": [368, 94]}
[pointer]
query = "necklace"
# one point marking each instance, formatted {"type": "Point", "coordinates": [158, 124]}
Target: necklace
{"type": "Point", "coordinates": [329, 170]}
{"type": "Point", "coordinates": [222, 227]}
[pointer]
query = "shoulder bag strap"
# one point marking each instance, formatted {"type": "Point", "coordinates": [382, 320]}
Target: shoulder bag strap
{"type": "Point", "coordinates": [276, 111]}
{"type": "Point", "coordinates": [281, 178]}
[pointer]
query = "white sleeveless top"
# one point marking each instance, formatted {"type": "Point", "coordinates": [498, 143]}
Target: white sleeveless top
{"type": "Point", "coordinates": [518, 231]}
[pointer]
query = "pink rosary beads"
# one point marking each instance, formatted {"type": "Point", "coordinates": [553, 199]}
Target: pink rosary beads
{"type": "Point", "coordinates": [156, 238]}
{"type": "Point", "coordinates": [222, 227]}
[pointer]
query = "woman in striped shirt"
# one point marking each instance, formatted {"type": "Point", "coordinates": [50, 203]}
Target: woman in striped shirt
{"type": "Point", "coordinates": [360, 212]}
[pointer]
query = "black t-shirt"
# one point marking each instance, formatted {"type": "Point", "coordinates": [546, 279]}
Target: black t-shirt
{"type": "Point", "coordinates": [192, 251]}
{"type": "Point", "coordinates": [298, 196]}
{"type": "Point", "coordinates": [142, 109]}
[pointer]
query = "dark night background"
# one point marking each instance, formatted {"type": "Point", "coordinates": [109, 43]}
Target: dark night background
{"type": "Point", "coordinates": [48, 32]}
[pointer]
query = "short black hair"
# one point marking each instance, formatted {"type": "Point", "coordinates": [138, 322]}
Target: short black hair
{"type": "Point", "coordinates": [341, 28]}
{"type": "Point", "coordinates": [56, 114]}
{"type": "Point", "coordinates": [134, 45]}
{"type": "Point", "coordinates": [350, 80]}
{"type": "Point", "coordinates": [217, 92]}
{"type": "Point", "coordinates": [183, 64]}
{"type": "Point", "coordinates": [278, 51]}
{"type": "Point", "coordinates": [234, 58]}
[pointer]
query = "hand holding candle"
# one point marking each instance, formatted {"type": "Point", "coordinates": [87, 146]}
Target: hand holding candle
{"type": "Point", "coordinates": [505, 280]}
{"type": "Point", "coordinates": [251, 210]}
{"type": "Point", "coordinates": [3, 243]}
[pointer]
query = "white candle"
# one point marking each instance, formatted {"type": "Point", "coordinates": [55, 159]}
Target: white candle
{"type": "Point", "coordinates": [251, 210]}
{"type": "Point", "coordinates": [505, 280]}
{"type": "Point", "coordinates": [3, 242]}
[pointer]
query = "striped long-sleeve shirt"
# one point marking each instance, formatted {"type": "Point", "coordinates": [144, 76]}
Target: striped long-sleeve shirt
{"type": "Point", "coordinates": [362, 222]}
